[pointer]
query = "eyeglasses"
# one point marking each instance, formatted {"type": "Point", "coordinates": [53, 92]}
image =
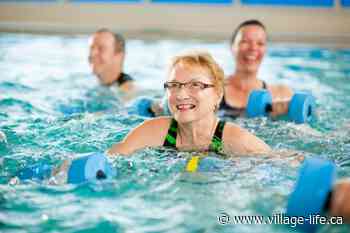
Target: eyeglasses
{"type": "Point", "coordinates": [193, 85]}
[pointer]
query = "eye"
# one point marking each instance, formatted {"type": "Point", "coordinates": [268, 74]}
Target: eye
{"type": "Point", "coordinates": [171, 85]}
{"type": "Point", "coordinates": [196, 85]}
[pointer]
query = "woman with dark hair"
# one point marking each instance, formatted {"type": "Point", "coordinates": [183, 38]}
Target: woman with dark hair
{"type": "Point", "coordinates": [248, 46]}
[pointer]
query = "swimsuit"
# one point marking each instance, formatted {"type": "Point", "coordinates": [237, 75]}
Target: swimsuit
{"type": "Point", "coordinates": [123, 78]}
{"type": "Point", "coordinates": [216, 144]}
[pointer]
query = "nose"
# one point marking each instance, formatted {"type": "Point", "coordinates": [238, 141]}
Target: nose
{"type": "Point", "coordinates": [182, 93]}
{"type": "Point", "coordinates": [253, 45]}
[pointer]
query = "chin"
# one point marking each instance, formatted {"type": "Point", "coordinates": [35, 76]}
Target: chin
{"type": "Point", "coordinates": [252, 68]}
{"type": "Point", "coordinates": [184, 118]}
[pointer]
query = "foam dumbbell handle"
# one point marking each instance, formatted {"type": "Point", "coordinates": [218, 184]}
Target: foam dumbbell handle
{"type": "Point", "coordinates": [91, 167]}
{"type": "Point", "coordinates": [259, 103]}
{"type": "Point", "coordinates": [311, 192]}
{"type": "Point", "coordinates": [301, 107]}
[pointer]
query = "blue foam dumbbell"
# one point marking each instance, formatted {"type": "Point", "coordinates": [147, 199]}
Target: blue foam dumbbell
{"type": "Point", "coordinates": [142, 106]}
{"type": "Point", "coordinates": [312, 192]}
{"type": "Point", "coordinates": [301, 107]}
{"type": "Point", "coordinates": [300, 110]}
{"type": "Point", "coordinates": [259, 103]}
{"type": "Point", "coordinates": [89, 167]}
{"type": "Point", "coordinates": [39, 171]}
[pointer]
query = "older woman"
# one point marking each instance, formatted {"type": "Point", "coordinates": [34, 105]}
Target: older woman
{"type": "Point", "coordinates": [248, 46]}
{"type": "Point", "coordinates": [194, 91]}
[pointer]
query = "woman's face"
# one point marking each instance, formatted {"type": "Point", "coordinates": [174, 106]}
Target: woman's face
{"type": "Point", "coordinates": [192, 102]}
{"type": "Point", "coordinates": [249, 48]}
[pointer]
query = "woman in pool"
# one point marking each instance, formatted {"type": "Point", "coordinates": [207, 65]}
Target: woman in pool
{"type": "Point", "coordinates": [248, 45]}
{"type": "Point", "coordinates": [194, 91]}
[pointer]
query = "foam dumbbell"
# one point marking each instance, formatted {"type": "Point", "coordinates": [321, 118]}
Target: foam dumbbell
{"type": "Point", "coordinates": [259, 103]}
{"type": "Point", "coordinates": [86, 168]}
{"type": "Point", "coordinates": [39, 171]}
{"type": "Point", "coordinates": [301, 107]}
{"type": "Point", "coordinates": [312, 192]}
{"type": "Point", "coordinates": [142, 106]}
{"type": "Point", "coordinates": [300, 110]}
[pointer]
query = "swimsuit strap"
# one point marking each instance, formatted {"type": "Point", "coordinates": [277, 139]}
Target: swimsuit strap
{"type": "Point", "coordinates": [170, 139]}
{"type": "Point", "coordinates": [216, 142]}
{"type": "Point", "coordinates": [123, 78]}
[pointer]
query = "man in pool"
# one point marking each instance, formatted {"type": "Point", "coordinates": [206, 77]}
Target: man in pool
{"type": "Point", "coordinates": [106, 59]}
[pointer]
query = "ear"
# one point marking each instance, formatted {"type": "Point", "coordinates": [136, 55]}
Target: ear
{"type": "Point", "coordinates": [220, 96]}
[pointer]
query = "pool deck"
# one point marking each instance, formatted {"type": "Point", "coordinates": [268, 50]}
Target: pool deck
{"type": "Point", "coordinates": [145, 19]}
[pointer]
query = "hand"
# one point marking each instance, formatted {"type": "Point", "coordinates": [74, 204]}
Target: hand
{"type": "Point", "coordinates": [340, 202]}
{"type": "Point", "coordinates": [279, 108]}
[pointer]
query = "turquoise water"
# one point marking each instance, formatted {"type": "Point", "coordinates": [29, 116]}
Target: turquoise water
{"type": "Point", "coordinates": [43, 75]}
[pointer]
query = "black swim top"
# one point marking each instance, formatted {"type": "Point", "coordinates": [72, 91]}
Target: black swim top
{"type": "Point", "coordinates": [216, 144]}
{"type": "Point", "coordinates": [123, 78]}
{"type": "Point", "coordinates": [229, 111]}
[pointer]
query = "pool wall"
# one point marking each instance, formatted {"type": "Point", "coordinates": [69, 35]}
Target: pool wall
{"type": "Point", "coordinates": [292, 20]}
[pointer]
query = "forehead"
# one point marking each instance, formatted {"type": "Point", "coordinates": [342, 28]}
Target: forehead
{"type": "Point", "coordinates": [102, 38]}
{"type": "Point", "coordinates": [253, 32]}
{"type": "Point", "coordinates": [185, 73]}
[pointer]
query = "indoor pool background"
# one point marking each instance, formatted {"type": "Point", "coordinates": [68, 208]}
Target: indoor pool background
{"type": "Point", "coordinates": [43, 76]}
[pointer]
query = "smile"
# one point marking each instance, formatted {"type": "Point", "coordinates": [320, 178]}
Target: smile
{"type": "Point", "coordinates": [184, 107]}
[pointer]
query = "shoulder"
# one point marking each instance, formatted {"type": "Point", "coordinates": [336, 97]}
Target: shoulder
{"type": "Point", "coordinates": [153, 127]}
{"type": "Point", "coordinates": [280, 91]}
{"type": "Point", "coordinates": [240, 141]}
{"type": "Point", "coordinates": [150, 133]}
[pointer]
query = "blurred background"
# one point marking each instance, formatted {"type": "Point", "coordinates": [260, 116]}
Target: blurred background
{"type": "Point", "coordinates": [316, 21]}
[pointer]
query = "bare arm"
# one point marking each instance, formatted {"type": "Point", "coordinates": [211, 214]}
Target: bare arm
{"type": "Point", "coordinates": [240, 141]}
{"type": "Point", "coordinates": [150, 133]}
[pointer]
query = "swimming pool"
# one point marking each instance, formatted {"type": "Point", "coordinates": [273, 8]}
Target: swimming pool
{"type": "Point", "coordinates": [42, 74]}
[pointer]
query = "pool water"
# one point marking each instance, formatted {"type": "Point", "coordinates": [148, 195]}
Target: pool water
{"type": "Point", "coordinates": [43, 76]}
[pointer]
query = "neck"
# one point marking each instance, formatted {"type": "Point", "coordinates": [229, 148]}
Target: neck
{"type": "Point", "coordinates": [197, 133]}
{"type": "Point", "coordinates": [245, 81]}
{"type": "Point", "coordinates": [111, 76]}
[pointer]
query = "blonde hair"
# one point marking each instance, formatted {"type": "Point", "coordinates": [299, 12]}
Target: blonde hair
{"type": "Point", "coordinates": [202, 60]}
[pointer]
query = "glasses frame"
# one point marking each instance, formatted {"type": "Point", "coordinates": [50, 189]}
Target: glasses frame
{"type": "Point", "coordinates": [186, 85]}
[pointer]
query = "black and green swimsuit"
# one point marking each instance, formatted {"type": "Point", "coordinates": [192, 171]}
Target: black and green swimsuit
{"type": "Point", "coordinates": [216, 144]}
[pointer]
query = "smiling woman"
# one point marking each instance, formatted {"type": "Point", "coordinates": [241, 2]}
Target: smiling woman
{"type": "Point", "coordinates": [248, 46]}
{"type": "Point", "coordinates": [194, 91]}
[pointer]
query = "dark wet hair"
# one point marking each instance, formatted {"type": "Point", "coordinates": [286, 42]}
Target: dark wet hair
{"type": "Point", "coordinates": [250, 22]}
{"type": "Point", "coordinates": [119, 41]}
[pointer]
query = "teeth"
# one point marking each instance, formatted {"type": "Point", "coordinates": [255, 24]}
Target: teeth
{"type": "Point", "coordinates": [251, 57]}
{"type": "Point", "coordinates": [185, 106]}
